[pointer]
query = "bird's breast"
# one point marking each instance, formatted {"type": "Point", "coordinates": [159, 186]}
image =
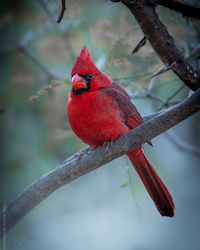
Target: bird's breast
{"type": "Point", "coordinates": [95, 118]}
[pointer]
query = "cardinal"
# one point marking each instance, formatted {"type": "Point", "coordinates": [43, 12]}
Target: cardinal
{"type": "Point", "coordinates": [100, 111]}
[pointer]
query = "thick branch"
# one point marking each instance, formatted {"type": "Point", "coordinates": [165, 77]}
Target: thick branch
{"type": "Point", "coordinates": [161, 41]}
{"type": "Point", "coordinates": [71, 169]}
{"type": "Point", "coordinates": [187, 9]}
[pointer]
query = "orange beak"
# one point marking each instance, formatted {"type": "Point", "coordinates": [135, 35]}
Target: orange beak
{"type": "Point", "coordinates": [78, 82]}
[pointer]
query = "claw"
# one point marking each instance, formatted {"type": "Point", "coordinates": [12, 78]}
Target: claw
{"type": "Point", "coordinates": [108, 144]}
{"type": "Point", "coordinates": [82, 152]}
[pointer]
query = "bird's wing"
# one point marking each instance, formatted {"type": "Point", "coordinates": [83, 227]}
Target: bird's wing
{"type": "Point", "coordinates": [128, 111]}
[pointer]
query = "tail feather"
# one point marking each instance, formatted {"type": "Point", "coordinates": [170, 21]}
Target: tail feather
{"type": "Point", "coordinates": [154, 185]}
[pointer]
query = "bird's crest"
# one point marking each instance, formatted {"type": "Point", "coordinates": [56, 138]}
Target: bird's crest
{"type": "Point", "coordinates": [84, 64]}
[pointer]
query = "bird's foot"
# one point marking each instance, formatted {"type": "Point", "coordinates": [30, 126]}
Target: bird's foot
{"type": "Point", "coordinates": [79, 154]}
{"type": "Point", "coordinates": [108, 144]}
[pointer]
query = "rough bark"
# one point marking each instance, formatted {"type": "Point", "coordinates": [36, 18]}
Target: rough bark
{"type": "Point", "coordinates": [156, 33]}
{"type": "Point", "coordinates": [73, 168]}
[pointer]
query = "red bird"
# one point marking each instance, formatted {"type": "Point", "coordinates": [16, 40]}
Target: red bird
{"type": "Point", "coordinates": [99, 110]}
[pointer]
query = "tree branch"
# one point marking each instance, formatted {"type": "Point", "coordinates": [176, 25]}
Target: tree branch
{"type": "Point", "coordinates": [72, 168]}
{"type": "Point", "coordinates": [187, 9]}
{"type": "Point", "coordinates": [183, 145]}
{"type": "Point", "coordinates": [161, 41]}
{"type": "Point", "coordinates": [62, 12]}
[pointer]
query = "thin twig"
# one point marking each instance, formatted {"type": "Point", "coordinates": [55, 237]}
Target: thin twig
{"type": "Point", "coordinates": [163, 70]}
{"type": "Point", "coordinates": [172, 96]}
{"type": "Point", "coordinates": [140, 44]}
{"type": "Point", "coordinates": [38, 63]}
{"type": "Point", "coordinates": [183, 145]}
{"type": "Point", "coordinates": [157, 34]}
{"type": "Point", "coordinates": [62, 12]}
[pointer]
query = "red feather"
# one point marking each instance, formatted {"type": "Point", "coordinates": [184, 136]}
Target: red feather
{"type": "Point", "coordinates": [102, 111]}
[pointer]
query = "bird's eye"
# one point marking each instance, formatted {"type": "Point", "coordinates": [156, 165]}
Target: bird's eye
{"type": "Point", "coordinates": [90, 75]}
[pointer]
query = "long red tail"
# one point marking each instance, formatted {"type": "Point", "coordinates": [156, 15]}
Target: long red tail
{"type": "Point", "coordinates": [154, 185]}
